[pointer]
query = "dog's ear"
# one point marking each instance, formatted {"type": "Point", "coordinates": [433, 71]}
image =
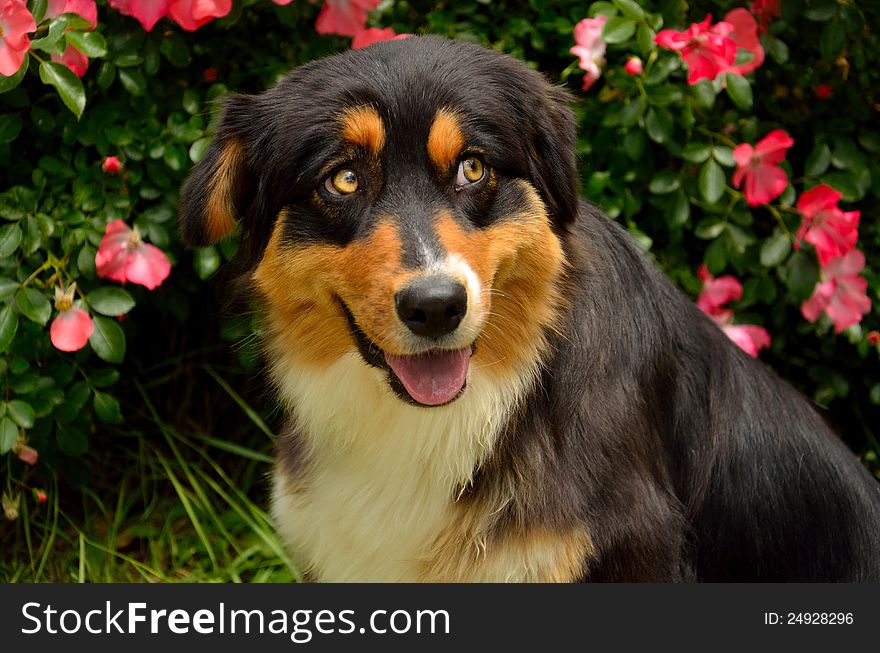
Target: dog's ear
{"type": "Point", "coordinates": [221, 185]}
{"type": "Point", "coordinates": [551, 151]}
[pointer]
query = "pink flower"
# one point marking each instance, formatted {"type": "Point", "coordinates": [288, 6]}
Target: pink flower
{"type": "Point", "coordinates": [282, 2]}
{"type": "Point", "coordinates": [745, 35]}
{"type": "Point", "coordinates": [873, 338]}
{"type": "Point", "coordinates": [40, 495]}
{"type": "Point", "coordinates": [633, 66]}
{"type": "Point", "coordinates": [147, 12]}
{"type": "Point", "coordinates": [123, 256]}
{"type": "Point", "coordinates": [831, 231]}
{"type": "Point", "coordinates": [842, 295]}
{"type": "Point", "coordinates": [590, 48]}
{"type": "Point", "coordinates": [759, 166]}
{"type": "Point", "coordinates": [748, 337]}
{"type": "Point", "coordinates": [717, 292]}
{"type": "Point", "coordinates": [28, 455]}
{"type": "Point", "coordinates": [73, 327]}
{"type": "Point", "coordinates": [344, 17]}
{"type": "Point", "coordinates": [85, 8]}
{"type": "Point", "coordinates": [371, 35]}
{"type": "Point", "coordinates": [192, 14]}
{"type": "Point", "coordinates": [73, 59]}
{"type": "Point", "coordinates": [189, 14]}
{"type": "Point", "coordinates": [765, 11]}
{"type": "Point", "coordinates": [707, 50]}
{"type": "Point", "coordinates": [111, 165]}
{"type": "Point", "coordinates": [15, 23]}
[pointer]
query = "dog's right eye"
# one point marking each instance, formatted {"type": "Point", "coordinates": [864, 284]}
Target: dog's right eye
{"type": "Point", "coordinates": [341, 182]}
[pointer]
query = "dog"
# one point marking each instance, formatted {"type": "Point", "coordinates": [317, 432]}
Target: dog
{"type": "Point", "coordinates": [485, 378]}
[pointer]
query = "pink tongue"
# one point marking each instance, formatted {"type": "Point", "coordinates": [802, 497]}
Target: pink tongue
{"type": "Point", "coordinates": [434, 377]}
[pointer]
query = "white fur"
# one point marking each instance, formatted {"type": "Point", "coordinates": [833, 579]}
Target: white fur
{"type": "Point", "coordinates": [380, 475]}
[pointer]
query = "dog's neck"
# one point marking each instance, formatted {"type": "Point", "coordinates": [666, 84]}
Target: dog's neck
{"type": "Point", "coordinates": [375, 474]}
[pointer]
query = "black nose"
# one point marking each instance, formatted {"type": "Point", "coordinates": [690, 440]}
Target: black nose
{"type": "Point", "coordinates": [432, 306]}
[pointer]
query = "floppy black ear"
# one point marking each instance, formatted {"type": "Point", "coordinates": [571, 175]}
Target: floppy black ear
{"type": "Point", "coordinates": [551, 153]}
{"type": "Point", "coordinates": [220, 186]}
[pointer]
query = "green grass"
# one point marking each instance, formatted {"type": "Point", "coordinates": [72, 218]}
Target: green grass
{"type": "Point", "coordinates": [164, 503]}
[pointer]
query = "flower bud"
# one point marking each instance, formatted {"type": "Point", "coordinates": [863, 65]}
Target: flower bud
{"type": "Point", "coordinates": [634, 66]}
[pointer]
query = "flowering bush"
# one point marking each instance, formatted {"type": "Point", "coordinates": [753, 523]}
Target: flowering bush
{"type": "Point", "coordinates": [736, 140]}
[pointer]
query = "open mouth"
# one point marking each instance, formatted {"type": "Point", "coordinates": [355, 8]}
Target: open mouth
{"type": "Point", "coordinates": [432, 378]}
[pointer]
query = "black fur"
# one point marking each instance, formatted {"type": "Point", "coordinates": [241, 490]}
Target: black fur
{"type": "Point", "coordinates": [685, 458]}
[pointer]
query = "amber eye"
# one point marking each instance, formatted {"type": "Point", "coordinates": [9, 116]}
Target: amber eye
{"type": "Point", "coordinates": [341, 182]}
{"type": "Point", "coordinates": [470, 171]}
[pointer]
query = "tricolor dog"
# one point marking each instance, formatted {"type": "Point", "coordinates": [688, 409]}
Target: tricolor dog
{"type": "Point", "coordinates": [485, 379]}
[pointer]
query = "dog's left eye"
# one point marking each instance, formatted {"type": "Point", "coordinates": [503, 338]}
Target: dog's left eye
{"type": "Point", "coordinates": [470, 171]}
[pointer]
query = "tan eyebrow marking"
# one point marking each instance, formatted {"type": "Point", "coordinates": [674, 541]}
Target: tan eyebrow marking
{"type": "Point", "coordinates": [445, 140]}
{"type": "Point", "coordinates": [363, 126]}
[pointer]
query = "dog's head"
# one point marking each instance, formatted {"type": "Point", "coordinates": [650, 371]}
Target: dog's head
{"type": "Point", "coordinates": [405, 201]}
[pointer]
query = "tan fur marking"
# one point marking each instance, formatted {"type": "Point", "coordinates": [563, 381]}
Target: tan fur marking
{"type": "Point", "coordinates": [302, 284]}
{"type": "Point", "coordinates": [219, 210]}
{"type": "Point", "coordinates": [464, 553]}
{"type": "Point", "coordinates": [445, 140]}
{"type": "Point", "coordinates": [363, 126]}
{"type": "Point", "coordinates": [521, 261]}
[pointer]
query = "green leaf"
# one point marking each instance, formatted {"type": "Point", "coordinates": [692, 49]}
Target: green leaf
{"type": "Point", "coordinates": [704, 94]}
{"type": "Point", "coordinates": [709, 228]}
{"type": "Point", "coordinates": [68, 85]}
{"type": "Point", "coordinates": [831, 41]}
{"type": "Point", "coordinates": [711, 181]}
{"type": "Point", "coordinates": [821, 10]}
{"type": "Point", "coordinates": [8, 326]}
{"type": "Point", "coordinates": [191, 102]}
{"type": "Point", "coordinates": [679, 211]}
{"type": "Point", "coordinates": [133, 81]}
{"type": "Point", "coordinates": [10, 126]}
{"type": "Point", "coordinates": [10, 239]}
{"type": "Point", "coordinates": [740, 91]}
{"type": "Point", "coordinates": [38, 10]}
{"type": "Point", "coordinates": [198, 148]}
{"type": "Point", "coordinates": [716, 255]}
{"type": "Point", "coordinates": [870, 141]}
{"type": "Point", "coordinates": [800, 274]}
{"type": "Point", "coordinates": [658, 125]}
{"type": "Point", "coordinates": [175, 49]}
{"type": "Point", "coordinates": [108, 339]}
{"type": "Point", "coordinates": [818, 161]}
{"type": "Point", "coordinates": [107, 408]}
{"type": "Point", "coordinates": [8, 435]}
{"type": "Point", "coordinates": [91, 44]}
{"type": "Point", "coordinates": [33, 305]}
{"type": "Point", "coordinates": [778, 50]}
{"type": "Point", "coordinates": [206, 261]}
{"type": "Point", "coordinates": [71, 440]}
{"type": "Point", "coordinates": [696, 152]}
{"type": "Point", "coordinates": [104, 378]}
{"type": "Point", "coordinates": [775, 249]}
{"type": "Point", "coordinates": [21, 413]}
{"type": "Point", "coordinates": [630, 9]}
{"type": "Point", "coordinates": [106, 75]}
{"type": "Point", "coordinates": [665, 181]}
{"type": "Point", "coordinates": [724, 156]}
{"type": "Point", "coordinates": [618, 29]}
{"type": "Point", "coordinates": [9, 83]}
{"type": "Point", "coordinates": [109, 300]}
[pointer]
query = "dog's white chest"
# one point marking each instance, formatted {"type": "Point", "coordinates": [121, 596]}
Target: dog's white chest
{"type": "Point", "coordinates": [378, 477]}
